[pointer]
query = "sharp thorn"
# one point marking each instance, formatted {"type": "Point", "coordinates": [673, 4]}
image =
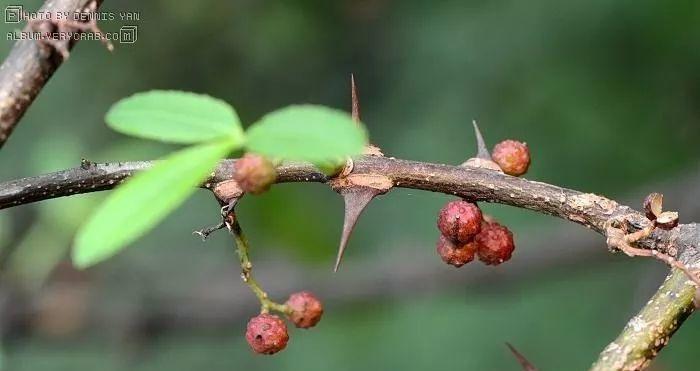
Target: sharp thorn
{"type": "Point", "coordinates": [355, 100]}
{"type": "Point", "coordinates": [482, 150]}
{"type": "Point", "coordinates": [356, 199]}
{"type": "Point", "coordinates": [524, 363]}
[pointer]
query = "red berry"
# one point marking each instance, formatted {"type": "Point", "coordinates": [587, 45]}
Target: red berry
{"type": "Point", "coordinates": [306, 309]}
{"type": "Point", "coordinates": [266, 334]}
{"type": "Point", "coordinates": [494, 244]}
{"type": "Point", "coordinates": [459, 221]}
{"type": "Point", "coordinates": [254, 173]}
{"type": "Point", "coordinates": [512, 156]}
{"type": "Point", "coordinates": [456, 255]}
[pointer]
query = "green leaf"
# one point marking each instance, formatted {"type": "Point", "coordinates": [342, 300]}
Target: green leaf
{"type": "Point", "coordinates": [307, 133]}
{"type": "Point", "coordinates": [176, 117]}
{"type": "Point", "coordinates": [140, 203]}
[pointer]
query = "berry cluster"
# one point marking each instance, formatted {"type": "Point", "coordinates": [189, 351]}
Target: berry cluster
{"type": "Point", "coordinates": [267, 333]}
{"type": "Point", "coordinates": [465, 234]}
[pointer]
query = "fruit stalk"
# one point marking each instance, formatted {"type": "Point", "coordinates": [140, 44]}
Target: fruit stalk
{"type": "Point", "coordinates": [242, 249]}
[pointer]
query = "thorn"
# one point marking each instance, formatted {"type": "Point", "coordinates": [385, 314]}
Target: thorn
{"type": "Point", "coordinates": [482, 150]}
{"type": "Point", "coordinates": [355, 100]}
{"type": "Point", "coordinates": [483, 157]}
{"type": "Point", "coordinates": [371, 149]}
{"type": "Point", "coordinates": [526, 365]}
{"type": "Point", "coordinates": [356, 200]}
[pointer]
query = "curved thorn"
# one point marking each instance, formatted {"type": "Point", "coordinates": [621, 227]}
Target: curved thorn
{"type": "Point", "coordinates": [482, 150]}
{"type": "Point", "coordinates": [355, 100]}
{"type": "Point", "coordinates": [356, 199]}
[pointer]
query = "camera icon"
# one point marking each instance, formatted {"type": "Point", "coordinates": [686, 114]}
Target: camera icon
{"type": "Point", "coordinates": [13, 13]}
{"type": "Point", "coordinates": [128, 34]}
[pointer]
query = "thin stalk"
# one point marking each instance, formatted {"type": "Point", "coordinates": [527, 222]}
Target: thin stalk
{"type": "Point", "coordinates": [243, 249]}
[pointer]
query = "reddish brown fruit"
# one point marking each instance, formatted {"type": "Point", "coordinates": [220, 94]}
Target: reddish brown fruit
{"type": "Point", "coordinates": [306, 309]}
{"type": "Point", "coordinates": [512, 156]}
{"type": "Point", "coordinates": [494, 244]}
{"type": "Point", "coordinates": [460, 221]}
{"type": "Point", "coordinates": [456, 255]}
{"type": "Point", "coordinates": [266, 334]}
{"type": "Point", "coordinates": [254, 173]}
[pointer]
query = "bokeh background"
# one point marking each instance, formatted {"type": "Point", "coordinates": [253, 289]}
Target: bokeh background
{"type": "Point", "coordinates": [605, 93]}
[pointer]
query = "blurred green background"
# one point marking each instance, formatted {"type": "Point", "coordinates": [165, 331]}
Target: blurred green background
{"type": "Point", "coordinates": [605, 93]}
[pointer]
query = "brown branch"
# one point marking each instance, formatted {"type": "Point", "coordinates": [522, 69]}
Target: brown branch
{"type": "Point", "coordinates": [28, 68]}
{"type": "Point", "coordinates": [587, 209]}
{"type": "Point", "coordinates": [593, 211]}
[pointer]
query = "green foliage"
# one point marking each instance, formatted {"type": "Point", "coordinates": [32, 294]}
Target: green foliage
{"type": "Point", "coordinates": [307, 133]}
{"type": "Point", "coordinates": [139, 204]}
{"type": "Point", "coordinates": [313, 133]}
{"type": "Point", "coordinates": [175, 116]}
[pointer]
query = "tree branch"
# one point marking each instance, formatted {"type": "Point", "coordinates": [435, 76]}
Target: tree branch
{"type": "Point", "coordinates": [28, 68]}
{"type": "Point", "coordinates": [650, 330]}
{"type": "Point", "coordinates": [593, 211]}
{"type": "Point", "coordinates": [587, 209]}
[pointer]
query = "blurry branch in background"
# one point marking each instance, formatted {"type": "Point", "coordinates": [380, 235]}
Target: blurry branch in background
{"type": "Point", "coordinates": [31, 63]}
{"type": "Point", "coordinates": [592, 211]}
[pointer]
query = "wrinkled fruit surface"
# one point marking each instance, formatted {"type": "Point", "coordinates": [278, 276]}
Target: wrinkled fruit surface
{"type": "Point", "coordinates": [306, 309]}
{"type": "Point", "coordinates": [459, 221]}
{"type": "Point", "coordinates": [456, 255]}
{"type": "Point", "coordinates": [266, 334]}
{"type": "Point", "coordinates": [254, 173]}
{"type": "Point", "coordinates": [495, 244]}
{"type": "Point", "coordinates": [512, 156]}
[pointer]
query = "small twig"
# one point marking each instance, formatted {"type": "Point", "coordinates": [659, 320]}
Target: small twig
{"type": "Point", "coordinates": [206, 232]}
{"type": "Point", "coordinates": [623, 242]}
{"type": "Point", "coordinates": [63, 29]}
